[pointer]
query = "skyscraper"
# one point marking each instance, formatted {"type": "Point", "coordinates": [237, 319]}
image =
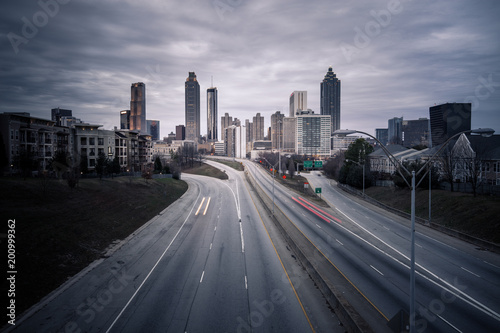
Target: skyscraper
{"type": "Point", "coordinates": [313, 134]}
{"type": "Point", "coordinates": [154, 129]}
{"type": "Point", "coordinates": [449, 119]}
{"type": "Point", "coordinates": [212, 115]}
{"type": "Point", "coordinates": [330, 98]}
{"type": "Point", "coordinates": [138, 107]}
{"type": "Point", "coordinates": [125, 119]}
{"type": "Point", "coordinates": [225, 122]}
{"type": "Point", "coordinates": [298, 101]}
{"type": "Point", "coordinates": [277, 130]}
{"type": "Point", "coordinates": [395, 130]}
{"type": "Point", "coordinates": [258, 127]}
{"type": "Point", "coordinates": [192, 101]}
{"type": "Point", "coordinates": [180, 132]}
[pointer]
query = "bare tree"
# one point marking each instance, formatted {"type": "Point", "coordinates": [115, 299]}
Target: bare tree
{"type": "Point", "coordinates": [448, 161]}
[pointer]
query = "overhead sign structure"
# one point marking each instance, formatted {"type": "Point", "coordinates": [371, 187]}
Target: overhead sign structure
{"type": "Point", "coordinates": [318, 164]}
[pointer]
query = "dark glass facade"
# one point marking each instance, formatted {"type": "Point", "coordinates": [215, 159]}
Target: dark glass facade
{"type": "Point", "coordinates": [192, 101]}
{"type": "Point", "coordinates": [330, 98]}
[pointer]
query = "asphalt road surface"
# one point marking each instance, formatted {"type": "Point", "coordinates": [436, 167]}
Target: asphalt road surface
{"type": "Point", "coordinates": [205, 264]}
{"type": "Point", "coordinates": [457, 284]}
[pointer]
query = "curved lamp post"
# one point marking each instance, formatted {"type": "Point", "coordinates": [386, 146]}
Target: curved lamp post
{"type": "Point", "coordinates": [486, 132]}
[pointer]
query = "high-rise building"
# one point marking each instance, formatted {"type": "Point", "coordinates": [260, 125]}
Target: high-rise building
{"type": "Point", "coordinates": [449, 119]}
{"type": "Point", "coordinates": [225, 122]}
{"type": "Point", "coordinates": [154, 129]}
{"type": "Point", "coordinates": [125, 119]}
{"type": "Point", "coordinates": [180, 132]}
{"type": "Point", "coordinates": [415, 132]}
{"type": "Point", "coordinates": [192, 101]}
{"type": "Point", "coordinates": [395, 131]}
{"type": "Point", "coordinates": [277, 130]}
{"type": "Point", "coordinates": [212, 115]}
{"type": "Point", "coordinates": [298, 101]}
{"type": "Point", "coordinates": [330, 98]}
{"type": "Point", "coordinates": [313, 134]}
{"type": "Point", "coordinates": [138, 107]}
{"type": "Point", "coordinates": [382, 135]}
{"type": "Point", "coordinates": [58, 113]}
{"type": "Point", "coordinates": [258, 128]}
{"type": "Point", "coordinates": [289, 128]}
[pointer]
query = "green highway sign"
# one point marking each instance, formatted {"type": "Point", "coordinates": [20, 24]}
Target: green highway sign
{"type": "Point", "coordinates": [318, 164]}
{"type": "Point", "coordinates": [308, 164]}
{"type": "Point", "coordinates": [318, 189]}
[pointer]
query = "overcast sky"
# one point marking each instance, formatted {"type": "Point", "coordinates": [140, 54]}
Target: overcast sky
{"type": "Point", "coordinates": [394, 58]}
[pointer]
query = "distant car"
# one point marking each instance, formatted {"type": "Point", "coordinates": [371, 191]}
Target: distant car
{"type": "Point", "coordinates": [319, 175]}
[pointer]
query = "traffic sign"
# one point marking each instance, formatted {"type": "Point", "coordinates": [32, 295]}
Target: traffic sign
{"type": "Point", "coordinates": [308, 164]}
{"type": "Point", "coordinates": [318, 189]}
{"type": "Point", "coordinates": [318, 164]}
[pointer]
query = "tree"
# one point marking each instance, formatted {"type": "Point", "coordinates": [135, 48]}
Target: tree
{"type": "Point", "coordinates": [101, 163]}
{"type": "Point", "coordinates": [158, 165]}
{"type": "Point", "coordinates": [61, 162]}
{"type": "Point", "coordinates": [84, 162]}
{"type": "Point", "coordinates": [114, 166]}
{"type": "Point", "coordinates": [332, 167]}
{"type": "Point", "coordinates": [356, 155]}
{"type": "Point", "coordinates": [291, 168]}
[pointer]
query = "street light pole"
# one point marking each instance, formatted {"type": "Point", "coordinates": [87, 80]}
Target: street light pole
{"type": "Point", "coordinates": [398, 165]}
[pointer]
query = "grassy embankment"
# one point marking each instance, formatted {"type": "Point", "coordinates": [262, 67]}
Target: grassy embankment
{"type": "Point", "coordinates": [59, 230]}
{"type": "Point", "coordinates": [477, 216]}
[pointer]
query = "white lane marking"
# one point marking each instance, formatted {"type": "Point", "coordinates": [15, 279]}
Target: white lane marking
{"type": "Point", "coordinates": [211, 246]}
{"type": "Point", "coordinates": [419, 245]}
{"type": "Point", "coordinates": [318, 226]}
{"type": "Point", "coordinates": [202, 274]}
{"type": "Point", "coordinates": [446, 321]}
{"type": "Point", "coordinates": [465, 269]}
{"type": "Point", "coordinates": [201, 204]}
{"type": "Point", "coordinates": [376, 270]}
{"type": "Point", "coordinates": [246, 283]}
{"type": "Point", "coordinates": [445, 285]}
{"type": "Point", "coordinates": [152, 269]}
{"type": "Point", "coordinates": [386, 227]}
{"type": "Point", "coordinates": [215, 229]}
{"type": "Point", "coordinates": [242, 240]}
{"type": "Point", "coordinates": [489, 263]}
{"type": "Point", "coordinates": [339, 241]}
{"type": "Point", "coordinates": [235, 199]}
{"type": "Point", "coordinates": [206, 207]}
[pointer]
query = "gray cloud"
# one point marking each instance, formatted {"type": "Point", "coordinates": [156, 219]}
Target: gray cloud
{"type": "Point", "coordinates": [87, 55]}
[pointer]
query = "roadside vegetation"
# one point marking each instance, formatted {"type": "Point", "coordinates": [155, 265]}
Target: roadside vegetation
{"type": "Point", "coordinates": [472, 214]}
{"type": "Point", "coordinates": [475, 216]}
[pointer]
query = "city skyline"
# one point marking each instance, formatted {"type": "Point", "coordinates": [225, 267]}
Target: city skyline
{"type": "Point", "coordinates": [395, 58]}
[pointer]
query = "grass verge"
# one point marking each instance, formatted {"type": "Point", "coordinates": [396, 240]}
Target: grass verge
{"type": "Point", "coordinates": [477, 216]}
{"type": "Point", "coordinates": [59, 230]}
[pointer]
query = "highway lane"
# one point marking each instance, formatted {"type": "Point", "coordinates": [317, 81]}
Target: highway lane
{"type": "Point", "coordinates": [376, 261]}
{"type": "Point", "coordinates": [205, 264]}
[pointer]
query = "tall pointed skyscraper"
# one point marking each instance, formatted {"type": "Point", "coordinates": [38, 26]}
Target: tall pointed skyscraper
{"type": "Point", "coordinates": [212, 115]}
{"type": "Point", "coordinates": [192, 101]}
{"type": "Point", "coordinates": [330, 98]}
{"type": "Point", "coordinates": [138, 107]}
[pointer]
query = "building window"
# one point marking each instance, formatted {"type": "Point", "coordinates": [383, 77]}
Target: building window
{"type": "Point", "coordinates": [83, 141]}
{"type": "Point", "coordinates": [92, 152]}
{"type": "Point", "coordinates": [100, 141]}
{"type": "Point", "coordinates": [92, 163]}
{"type": "Point", "coordinates": [100, 151]}
{"type": "Point", "coordinates": [84, 152]}
{"type": "Point", "coordinates": [91, 141]}
{"type": "Point", "coordinates": [496, 166]}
